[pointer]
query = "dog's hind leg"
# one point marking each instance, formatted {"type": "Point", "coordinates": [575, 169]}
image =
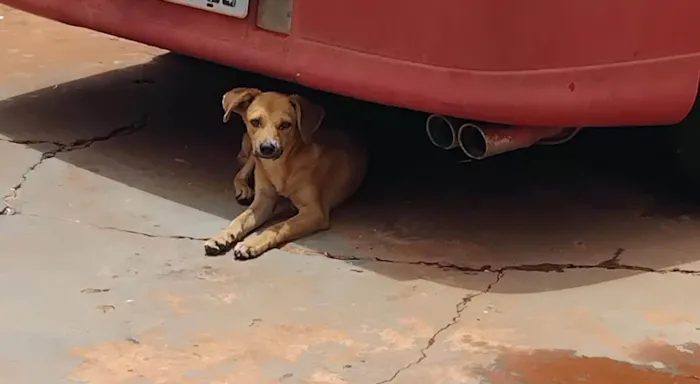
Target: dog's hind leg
{"type": "Point", "coordinates": [311, 217]}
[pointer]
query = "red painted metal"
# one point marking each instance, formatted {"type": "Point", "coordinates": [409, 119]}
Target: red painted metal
{"type": "Point", "coordinates": [536, 62]}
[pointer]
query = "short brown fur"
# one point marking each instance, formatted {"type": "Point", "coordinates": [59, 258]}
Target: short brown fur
{"type": "Point", "coordinates": [315, 170]}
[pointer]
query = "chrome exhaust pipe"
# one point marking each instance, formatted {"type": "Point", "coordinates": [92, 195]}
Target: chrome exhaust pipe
{"type": "Point", "coordinates": [482, 141]}
{"type": "Point", "coordinates": [442, 131]}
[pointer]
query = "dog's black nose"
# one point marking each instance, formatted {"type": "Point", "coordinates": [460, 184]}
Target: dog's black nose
{"type": "Point", "coordinates": [268, 149]}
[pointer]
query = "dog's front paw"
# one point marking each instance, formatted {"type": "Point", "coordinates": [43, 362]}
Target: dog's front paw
{"type": "Point", "coordinates": [250, 248]}
{"type": "Point", "coordinates": [244, 193]}
{"type": "Point", "coordinates": [218, 244]}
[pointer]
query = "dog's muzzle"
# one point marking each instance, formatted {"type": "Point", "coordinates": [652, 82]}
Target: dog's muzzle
{"type": "Point", "coordinates": [269, 149]}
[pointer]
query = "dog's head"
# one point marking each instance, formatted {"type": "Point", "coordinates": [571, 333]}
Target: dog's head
{"type": "Point", "coordinates": [275, 122]}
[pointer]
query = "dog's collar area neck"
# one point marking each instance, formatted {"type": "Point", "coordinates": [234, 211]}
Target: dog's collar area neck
{"type": "Point", "coordinates": [294, 148]}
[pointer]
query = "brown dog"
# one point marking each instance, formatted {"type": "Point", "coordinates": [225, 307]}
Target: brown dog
{"type": "Point", "coordinates": [316, 171]}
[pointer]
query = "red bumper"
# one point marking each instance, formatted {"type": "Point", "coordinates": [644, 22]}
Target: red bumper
{"type": "Point", "coordinates": [539, 62]}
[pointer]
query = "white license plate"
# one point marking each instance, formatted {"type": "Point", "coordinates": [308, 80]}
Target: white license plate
{"type": "Point", "coordinates": [235, 8]}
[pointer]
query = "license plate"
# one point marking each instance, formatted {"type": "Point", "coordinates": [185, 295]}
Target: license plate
{"type": "Point", "coordinates": [235, 8]}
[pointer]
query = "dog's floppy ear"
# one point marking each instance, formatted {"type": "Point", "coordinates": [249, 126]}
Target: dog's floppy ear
{"type": "Point", "coordinates": [309, 116]}
{"type": "Point", "coordinates": [237, 100]}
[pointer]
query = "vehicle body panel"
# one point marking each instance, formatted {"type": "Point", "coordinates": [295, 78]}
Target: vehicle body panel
{"type": "Point", "coordinates": [540, 62]}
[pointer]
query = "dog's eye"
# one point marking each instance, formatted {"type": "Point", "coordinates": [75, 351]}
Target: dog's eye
{"type": "Point", "coordinates": [285, 125]}
{"type": "Point", "coordinates": [255, 123]}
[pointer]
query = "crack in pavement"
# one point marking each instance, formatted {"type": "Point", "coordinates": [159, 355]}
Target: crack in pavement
{"type": "Point", "coordinates": [33, 142]}
{"type": "Point", "coordinates": [459, 308]}
{"type": "Point", "coordinates": [63, 148]}
{"type": "Point", "coordinates": [609, 264]}
{"type": "Point", "coordinates": [613, 263]}
{"type": "Point", "coordinates": [110, 228]}
{"type": "Point", "coordinates": [151, 235]}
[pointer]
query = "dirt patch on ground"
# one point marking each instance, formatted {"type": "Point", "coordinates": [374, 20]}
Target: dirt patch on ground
{"type": "Point", "coordinates": [207, 358]}
{"type": "Point", "coordinates": [661, 364]}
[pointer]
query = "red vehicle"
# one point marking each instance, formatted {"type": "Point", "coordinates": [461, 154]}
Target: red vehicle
{"type": "Point", "coordinates": [536, 63]}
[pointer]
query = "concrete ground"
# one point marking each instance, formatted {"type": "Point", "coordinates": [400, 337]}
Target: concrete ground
{"type": "Point", "coordinates": [567, 264]}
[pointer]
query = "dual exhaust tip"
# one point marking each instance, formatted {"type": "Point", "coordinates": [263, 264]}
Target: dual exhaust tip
{"type": "Point", "coordinates": [479, 141]}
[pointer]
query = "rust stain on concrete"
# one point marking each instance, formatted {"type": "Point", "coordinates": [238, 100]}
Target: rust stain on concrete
{"type": "Point", "coordinates": [681, 365]}
{"type": "Point", "coordinates": [668, 317]}
{"type": "Point", "coordinates": [411, 332]}
{"type": "Point", "coordinates": [683, 358]}
{"type": "Point", "coordinates": [482, 341]}
{"type": "Point", "coordinates": [554, 367]}
{"type": "Point", "coordinates": [153, 359]}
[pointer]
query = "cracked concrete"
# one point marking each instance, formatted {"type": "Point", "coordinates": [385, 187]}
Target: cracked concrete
{"type": "Point", "coordinates": [496, 327]}
{"type": "Point", "coordinates": [20, 155]}
{"type": "Point", "coordinates": [160, 295]}
{"type": "Point", "coordinates": [63, 148]}
{"type": "Point", "coordinates": [538, 267]}
{"type": "Point", "coordinates": [459, 308]}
